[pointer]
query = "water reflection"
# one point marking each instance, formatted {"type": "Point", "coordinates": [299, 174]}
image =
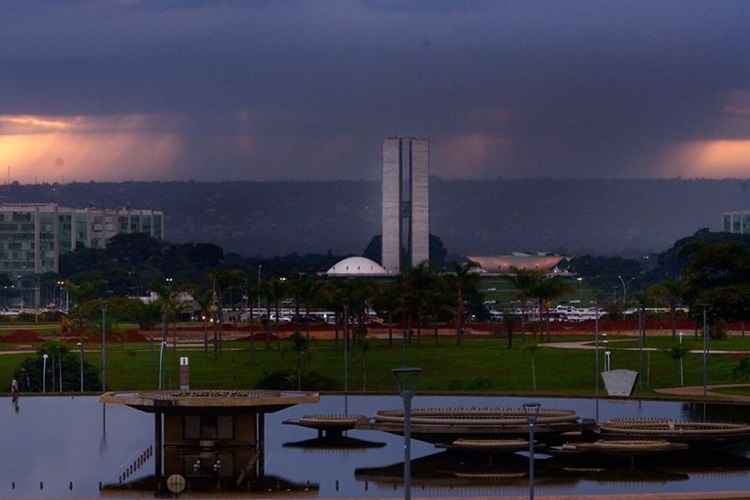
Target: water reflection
{"type": "Point", "coordinates": [103, 439]}
{"type": "Point", "coordinates": [62, 440]}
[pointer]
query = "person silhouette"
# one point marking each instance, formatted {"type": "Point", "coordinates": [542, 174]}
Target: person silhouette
{"type": "Point", "coordinates": [14, 394]}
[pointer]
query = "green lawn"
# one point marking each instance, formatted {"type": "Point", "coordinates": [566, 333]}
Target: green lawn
{"type": "Point", "coordinates": [478, 365]}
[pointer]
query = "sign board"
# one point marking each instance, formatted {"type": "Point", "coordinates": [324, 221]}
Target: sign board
{"type": "Point", "coordinates": [619, 382]}
{"type": "Point", "coordinates": [184, 374]}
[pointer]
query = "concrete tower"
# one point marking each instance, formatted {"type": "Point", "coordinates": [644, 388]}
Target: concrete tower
{"type": "Point", "coordinates": [406, 225]}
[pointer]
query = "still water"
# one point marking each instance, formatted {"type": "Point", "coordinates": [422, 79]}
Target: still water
{"type": "Point", "coordinates": [67, 446]}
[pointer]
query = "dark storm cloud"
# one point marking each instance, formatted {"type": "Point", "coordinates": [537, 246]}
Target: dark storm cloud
{"type": "Point", "coordinates": [292, 88]}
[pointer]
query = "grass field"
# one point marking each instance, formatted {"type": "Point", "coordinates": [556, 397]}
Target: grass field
{"type": "Point", "coordinates": [477, 365]}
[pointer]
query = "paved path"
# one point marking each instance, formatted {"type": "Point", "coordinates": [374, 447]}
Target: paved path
{"type": "Point", "coordinates": [589, 345]}
{"type": "Point", "coordinates": [696, 391]}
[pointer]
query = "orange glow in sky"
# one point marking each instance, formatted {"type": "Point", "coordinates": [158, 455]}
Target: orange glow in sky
{"type": "Point", "coordinates": [33, 122]}
{"type": "Point", "coordinates": [713, 158]}
{"type": "Point", "coordinates": [111, 148]}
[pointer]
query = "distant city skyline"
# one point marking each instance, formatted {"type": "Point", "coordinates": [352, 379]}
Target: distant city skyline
{"type": "Point", "coordinates": [226, 89]}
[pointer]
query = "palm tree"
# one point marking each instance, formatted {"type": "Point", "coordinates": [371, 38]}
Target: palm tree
{"type": "Point", "coordinates": [670, 293]}
{"type": "Point", "coordinates": [509, 322]}
{"type": "Point", "coordinates": [330, 296]}
{"type": "Point", "coordinates": [204, 300]}
{"type": "Point", "coordinates": [464, 280]}
{"type": "Point", "coordinates": [169, 306]}
{"type": "Point", "coordinates": [532, 349]}
{"type": "Point", "coordinates": [355, 295]}
{"type": "Point", "coordinates": [414, 284]}
{"type": "Point", "coordinates": [276, 291]}
{"type": "Point", "coordinates": [523, 281]}
{"type": "Point", "coordinates": [678, 352]}
{"type": "Point", "coordinates": [265, 292]}
{"type": "Point", "coordinates": [364, 348]}
{"type": "Point", "coordinates": [305, 290]}
{"type": "Point", "coordinates": [301, 345]}
{"type": "Point", "coordinates": [534, 284]}
{"type": "Point", "coordinates": [385, 301]}
{"type": "Point", "coordinates": [252, 289]}
{"type": "Point", "coordinates": [546, 291]}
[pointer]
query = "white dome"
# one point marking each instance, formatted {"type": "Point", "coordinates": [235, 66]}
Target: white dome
{"type": "Point", "coordinates": [356, 266]}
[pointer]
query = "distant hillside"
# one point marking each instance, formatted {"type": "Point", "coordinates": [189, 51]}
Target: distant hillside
{"type": "Point", "coordinates": [625, 217]}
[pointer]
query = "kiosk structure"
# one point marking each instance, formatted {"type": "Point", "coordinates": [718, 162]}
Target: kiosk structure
{"type": "Point", "coordinates": [211, 438]}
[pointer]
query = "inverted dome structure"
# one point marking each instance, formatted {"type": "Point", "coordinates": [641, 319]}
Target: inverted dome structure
{"type": "Point", "coordinates": [356, 266]}
{"type": "Point", "coordinates": [506, 263]}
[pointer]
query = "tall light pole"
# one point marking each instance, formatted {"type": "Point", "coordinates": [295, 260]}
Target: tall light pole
{"type": "Point", "coordinates": [641, 341]}
{"type": "Point", "coordinates": [260, 269]}
{"type": "Point", "coordinates": [532, 414]}
{"type": "Point", "coordinates": [346, 359]}
{"type": "Point", "coordinates": [406, 379]}
{"type": "Point", "coordinates": [44, 372]}
{"type": "Point", "coordinates": [161, 361]}
{"type": "Point", "coordinates": [682, 362]}
{"type": "Point", "coordinates": [705, 350]}
{"type": "Point", "coordinates": [596, 361]}
{"type": "Point", "coordinates": [80, 347]}
{"type": "Point", "coordinates": [624, 289]}
{"type": "Point", "coordinates": [60, 294]}
{"type": "Point", "coordinates": [104, 347]}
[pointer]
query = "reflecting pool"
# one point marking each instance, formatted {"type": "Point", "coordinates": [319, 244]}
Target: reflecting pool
{"type": "Point", "coordinates": [68, 446]}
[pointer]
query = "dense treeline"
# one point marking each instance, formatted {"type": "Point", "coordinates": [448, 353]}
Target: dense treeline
{"type": "Point", "coordinates": [488, 216]}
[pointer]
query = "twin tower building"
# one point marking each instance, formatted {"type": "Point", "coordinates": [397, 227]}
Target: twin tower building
{"type": "Point", "coordinates": [406, 208]}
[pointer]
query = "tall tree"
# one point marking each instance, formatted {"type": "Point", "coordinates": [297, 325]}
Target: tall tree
{"type": "Point", "coordinates": [414, 284]}
{"type": "Point", "coordinates": [535, 285]}
{"type": "Point", "coordinates": [464, 279]}
{"type": "Point", "coordinates": [669, 292]}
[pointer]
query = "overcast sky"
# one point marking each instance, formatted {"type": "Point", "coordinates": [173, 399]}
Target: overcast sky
{"type": "Point", "coordinates": [233, 89]}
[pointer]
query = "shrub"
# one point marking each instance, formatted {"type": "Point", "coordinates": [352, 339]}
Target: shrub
{"type": "Point", "coordinates": [742, 370]}
{"type": "Point", "coordinates": [29, 372]}
{"type": "Point", "coordinates": [718, 330]}
{"type": "Point", "coordinates": [286, 380]}
{"type": "Point", "coordinates": [478, 383]}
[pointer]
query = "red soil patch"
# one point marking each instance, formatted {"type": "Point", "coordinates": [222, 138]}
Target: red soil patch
{"type": "Point", "coordinates": [24, 336]}
{"type": "Point", "coordinates": [128, 336]}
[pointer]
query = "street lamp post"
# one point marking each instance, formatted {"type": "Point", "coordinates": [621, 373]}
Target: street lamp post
{"type": "Point", "coordinates": [161, 360]}
{"type": "Point", "coordinates": [346, 359]}
{"type": "Point", "coordinates": [104, 348]}
{"type": "Point", "coordinates": [44, 372]}
{"type": "Point", "coordinates": [596, 362]}
{"type": "Point", "coordinates": [682, 364]}
{"type": "Point", "coordinates": [406, 379]}
{"type": "Point", "coordinates": [705, 351]}
{"type": "Point", "coordinates": [80, 347]}
{"type": "Point", "coordinates": [532, 414]}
